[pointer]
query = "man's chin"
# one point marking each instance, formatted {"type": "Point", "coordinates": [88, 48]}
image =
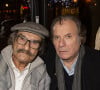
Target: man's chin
{"type": "Point", "coordinates": [24, 61]}
{"type": "Point", "coordinates": [64, 57]}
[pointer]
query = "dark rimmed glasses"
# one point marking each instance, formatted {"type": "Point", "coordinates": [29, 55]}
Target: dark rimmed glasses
{"type": "Point", "coordinates": [22, 40]}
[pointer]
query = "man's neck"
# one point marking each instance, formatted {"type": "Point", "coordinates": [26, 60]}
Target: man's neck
{"type": "Point", "coordinates": [68, 64]}
{"type": "Point", "coordinates": [21, 66]}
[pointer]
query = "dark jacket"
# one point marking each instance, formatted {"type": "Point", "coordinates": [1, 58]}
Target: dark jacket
{"type": "Point", "coordinates": [90, 73]}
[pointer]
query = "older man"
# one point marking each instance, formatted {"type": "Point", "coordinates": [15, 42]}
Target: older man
{"type": "Point", "coordinates": [76, 66]}
{"type": "Point", "coordinates": [21, 68]}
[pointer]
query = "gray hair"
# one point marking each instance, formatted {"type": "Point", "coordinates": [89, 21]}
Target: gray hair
{"type": "Point", "coordinates": [12, 38]}
{"type": "Point", "coordinates": [60, 19]}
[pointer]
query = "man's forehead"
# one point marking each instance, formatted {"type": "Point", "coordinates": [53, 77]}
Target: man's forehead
{"type": "Point", "coordinates": [66, 25]}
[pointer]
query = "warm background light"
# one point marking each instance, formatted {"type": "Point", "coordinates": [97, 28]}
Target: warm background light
{"type": "Point", "coordinates": [6, 5]}
{"type": "Point", "coordinates": [88, 1]}
{"type": "Point", "coordinates": [75, 1]}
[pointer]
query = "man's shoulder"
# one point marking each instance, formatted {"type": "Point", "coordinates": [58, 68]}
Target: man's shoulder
{"type": "Point", "coordinates": [90, 50]}
{"type": "Point", "coordinates": [41, 69]}
{"type": "Point", "coordinates": [92, 54]}
{"type": "Point", "coordinates": [40, 65]}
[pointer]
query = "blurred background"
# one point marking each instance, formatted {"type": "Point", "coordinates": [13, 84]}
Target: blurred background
{"type": "Point", "coordinates": [44, 11]}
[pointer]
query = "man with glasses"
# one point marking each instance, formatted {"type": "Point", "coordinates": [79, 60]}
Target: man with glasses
{"type": "Point", "coordinates": [21, 68]}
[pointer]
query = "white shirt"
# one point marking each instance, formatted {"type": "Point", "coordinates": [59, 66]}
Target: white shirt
{"type": "Point", "coordinates": [19, 76]}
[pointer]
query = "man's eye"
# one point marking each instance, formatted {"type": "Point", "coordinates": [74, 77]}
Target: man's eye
{"type": "Point", "coordinates": [36, 41]}
{"type": "Point", "coordinates": [22, 38]}
{"type": "Point", "coordinates": [68, 36]}
{"type": "Point", "coordinates": [55, 37]}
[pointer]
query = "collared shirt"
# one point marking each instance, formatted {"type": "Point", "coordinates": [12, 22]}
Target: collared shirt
{"type": "Point", "coordinates": [71, 71]}
{"type": "Point", "coordinates": [19, 75]}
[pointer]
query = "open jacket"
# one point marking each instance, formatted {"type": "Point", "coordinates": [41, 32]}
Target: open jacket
{"type": "Point", "coordinates": [36, 79]}
{"type": "Point", "coordinates": [87, 75]}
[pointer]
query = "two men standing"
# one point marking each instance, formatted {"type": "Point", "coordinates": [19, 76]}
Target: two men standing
{"type": "Point", "coordinates": [76, 66]}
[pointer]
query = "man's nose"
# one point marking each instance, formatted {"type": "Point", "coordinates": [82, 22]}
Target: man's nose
{"type": "Point", "coordinates": [61, 42]}
{"type": "Point", "coordinates": [27, 45]}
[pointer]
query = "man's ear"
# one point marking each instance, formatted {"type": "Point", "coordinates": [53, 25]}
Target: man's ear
{"type": "Point", "coordinates": [83, 39]}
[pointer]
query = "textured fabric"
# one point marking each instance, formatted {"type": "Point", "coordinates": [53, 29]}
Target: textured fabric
{"type": "Point", "coordinates": [68, 80]}
{"type": "Point", "coordinates": [60, 74]}
{"type": "Point", "coordinates": [36, 79]}
{"type": "Point", "coordinates": [88, 73]}
{"type": "Point", "coordinates": [77, 74]}
{"type": "Point", "coordinates": [31, 27]}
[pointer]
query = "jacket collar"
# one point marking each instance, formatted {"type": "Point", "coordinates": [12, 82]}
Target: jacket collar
{"type": "Point", "coordinates": [7, 55]}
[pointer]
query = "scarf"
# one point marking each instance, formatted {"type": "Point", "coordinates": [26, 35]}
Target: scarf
{"type": "Point", "coordinates": [77, 74]}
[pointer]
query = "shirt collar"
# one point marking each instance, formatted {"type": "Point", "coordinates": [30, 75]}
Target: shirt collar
{"type": "Point", "coordinates": [14, 67]}
{"type": "Point", "coordinates": [71, 71]}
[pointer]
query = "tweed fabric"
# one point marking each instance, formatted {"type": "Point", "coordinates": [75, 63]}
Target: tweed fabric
{"type": "Point", "coordinates": [31, 27]}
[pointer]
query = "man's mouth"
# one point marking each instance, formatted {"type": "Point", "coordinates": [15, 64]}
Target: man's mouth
{"type": "Point", "coordinates": [26, 52]}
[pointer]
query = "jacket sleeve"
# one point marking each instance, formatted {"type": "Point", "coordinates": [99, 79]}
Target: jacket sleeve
{"type": "Point", "coordinates": [4, 75]}
{"type": "Point", "coordinates": [45, 82]}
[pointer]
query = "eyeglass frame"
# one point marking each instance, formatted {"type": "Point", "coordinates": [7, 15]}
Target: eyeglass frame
{"type": "Point", "coordinates": [26, 40]}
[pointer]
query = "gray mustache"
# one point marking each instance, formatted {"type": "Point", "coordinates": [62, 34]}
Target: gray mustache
{"type": "Point", "coordinates": [25, 51]}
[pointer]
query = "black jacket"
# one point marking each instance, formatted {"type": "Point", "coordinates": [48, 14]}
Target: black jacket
{"type": "Point", "coordinates": [90, 73]}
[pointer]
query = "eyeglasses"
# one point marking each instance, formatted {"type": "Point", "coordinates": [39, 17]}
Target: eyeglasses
{"type": "Point", "coordinates": [22, 40]}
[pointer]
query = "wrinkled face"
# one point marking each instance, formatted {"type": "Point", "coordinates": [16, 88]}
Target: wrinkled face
{"type": "Point", "coordinates": [66, 40]}
{"type": "Point", "coordinates": [26, 47]}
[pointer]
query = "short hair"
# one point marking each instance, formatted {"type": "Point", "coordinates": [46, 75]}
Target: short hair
{"type": "Point", "coordinates": [60, 19]}
{"type": "Point", "coordinates": [12, 38]}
